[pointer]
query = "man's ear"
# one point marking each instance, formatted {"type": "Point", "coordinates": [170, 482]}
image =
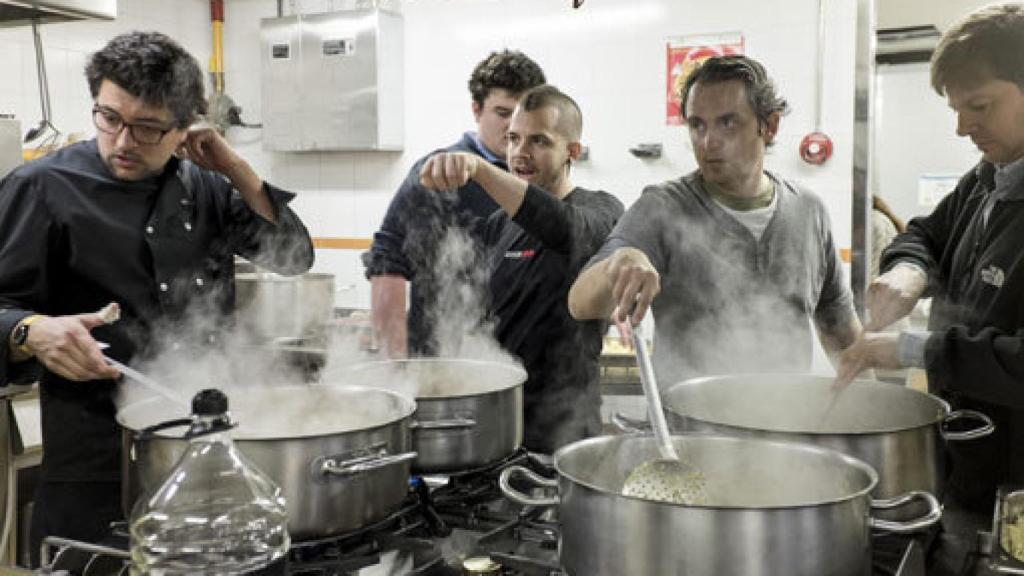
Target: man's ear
{"type": "Point", "coordinates": [575, 149]}
{"type": "Point", "coordinates": [771, 127]}
{"type": "Point", "coordinates": [477, 110]}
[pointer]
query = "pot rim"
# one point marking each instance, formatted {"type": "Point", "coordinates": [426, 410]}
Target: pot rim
{"type": "Point", "coordinates": [709, 380]}
{"type": "Point", "coordinates": [807, 448]}
{"type": "Point", "coordinates": [406, 409]}
{"type": "Point", "coordinates": [520, 373]}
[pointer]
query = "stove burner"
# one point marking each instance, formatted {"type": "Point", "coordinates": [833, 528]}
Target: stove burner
{"type": "Point", "coordinates": [446, 519]}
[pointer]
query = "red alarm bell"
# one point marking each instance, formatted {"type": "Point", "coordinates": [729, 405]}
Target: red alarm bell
{"type": "Point", "coordinates": [816, 148]}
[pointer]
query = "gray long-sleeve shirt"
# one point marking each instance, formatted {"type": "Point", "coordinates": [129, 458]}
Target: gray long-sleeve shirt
{"type": "Point", "coordinates": [730, 303]}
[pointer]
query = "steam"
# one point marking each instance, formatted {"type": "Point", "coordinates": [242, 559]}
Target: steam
{"type": "Point", "coordinates": [740, 322]}
{"type": "Point", "coordinates": [204, 348]}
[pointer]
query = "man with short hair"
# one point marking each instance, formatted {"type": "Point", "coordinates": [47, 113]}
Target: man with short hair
{"type": "Point", "coordinates": [968, 254]}
{"type": "Point", "coordinates": [734, 261]}
{"type": "Point", "coordinates": [121, 219]}
{"type": "Point", "coordinates": [409, 245]}
{"type": "Point", "coordinates": [546, 230]}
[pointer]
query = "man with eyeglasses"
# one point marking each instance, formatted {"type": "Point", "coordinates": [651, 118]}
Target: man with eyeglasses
{"type": "Point", "coordinates": [148, 215]}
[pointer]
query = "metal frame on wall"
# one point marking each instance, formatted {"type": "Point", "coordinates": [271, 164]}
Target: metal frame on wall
{"type": "Point", "coordinates": [863, 149]}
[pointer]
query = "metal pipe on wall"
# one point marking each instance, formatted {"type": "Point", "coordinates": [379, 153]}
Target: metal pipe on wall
{"type": "Point", "coordinates": [217, 58]}
{"type": "Point", "coordinates": [863, 149]}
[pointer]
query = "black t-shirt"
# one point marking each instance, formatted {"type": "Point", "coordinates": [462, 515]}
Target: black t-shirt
{"type": "Point", "coordinates": [534, 259]}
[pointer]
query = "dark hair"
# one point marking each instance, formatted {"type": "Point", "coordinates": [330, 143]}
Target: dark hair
{"type": "Point", "coordinates": [988, 41]}
{"type": "Point", "coordinates": [570, 118]}
{"type": "Point", "coordinates": [509, 70]}
{"type": "Point", "coordinates": [760, 89]}
{"type": "Point", "coordinates": [154, 68]}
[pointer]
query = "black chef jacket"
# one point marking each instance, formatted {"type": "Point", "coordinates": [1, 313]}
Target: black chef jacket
{"type": "Point", "coordinates": [74, 238]}
{"type": "Point", "coordinates": [535, 257]}
{"type": "Point", "coordinates": [410, 237]}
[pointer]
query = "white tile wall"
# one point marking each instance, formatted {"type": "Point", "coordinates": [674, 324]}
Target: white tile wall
{"type": "Point", "coordinates": [609, 55]}
{"type": "Point", "coordinates": [66, 47]}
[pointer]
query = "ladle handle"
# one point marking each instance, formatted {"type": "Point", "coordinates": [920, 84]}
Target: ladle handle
{"type": "Point", "coordinates": [650, 386]}
{"type": "Point", "coordinates": [147, 382]}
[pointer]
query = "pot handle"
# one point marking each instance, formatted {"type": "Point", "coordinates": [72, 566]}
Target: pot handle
{"type": "Point", "coordinates": [934, 513]}
{"type": "Point", "coordinates": [363, 464]}
{"type": "Point", "coordinates": [987, 428]}
{"type": "Point", "coordinates": [520, 498]}
{"type": "Point", "coordinates": [628, 425]}
{"type": "Point", "coordinates": [445, 424]}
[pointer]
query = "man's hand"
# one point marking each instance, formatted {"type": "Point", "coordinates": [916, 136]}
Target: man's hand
{"type": "Point", "coordinates": [64, 345]}
{"type": "Point", "coordinates": [449, 171]}
{"type": "Point", "coordinates": [207, 149]}
{"type": "Point", "coordinates": [892, 295]}
{"type": "Point", "coordinates": [634, 282]}
{"type": "Point", "coordinates": [871, 350]}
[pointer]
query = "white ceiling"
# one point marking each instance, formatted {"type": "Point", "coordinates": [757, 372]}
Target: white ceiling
{"type": "Point", "coordinates": [939, 13]}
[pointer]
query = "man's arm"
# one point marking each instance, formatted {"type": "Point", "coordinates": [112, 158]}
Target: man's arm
{"type": "Point", "coordinates": [987, 365]}
{"type": "Point", "coordinates": [910, 262]}
{"type": "Point", "coordinates": [388, 315]}
{"type": "Point", "coordinates": [262, 227]}
{"type": "Point", "coordinates": [837, 335]}
{"type": "Point", "coordinates": [448, 171]}
{"type": "Point", "coordinates": [207, 148]}
{"type": "Point", "coordinates": [389, 269]}
{"type": "Point", "coordinates": [625, 284]}
{"type": "Point", "coordinates": [63, 343]}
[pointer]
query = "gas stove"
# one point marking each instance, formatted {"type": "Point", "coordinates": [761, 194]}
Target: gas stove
{"type": "Point", "coordinates": [444, 521]}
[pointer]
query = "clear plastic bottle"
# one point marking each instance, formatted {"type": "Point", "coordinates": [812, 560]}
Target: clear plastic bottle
{"type": "Point", "coordinates": [216, 513]}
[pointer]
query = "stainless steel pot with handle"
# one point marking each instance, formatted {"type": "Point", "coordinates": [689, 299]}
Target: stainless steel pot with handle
{"type": "Point", "coordinates": [898, 431]}
{"type": "Point", "coordinates": [341, 455]}
{"type": "Point", "coordinates": [773, 508]}
{"type": "Point", "coordinates": [469, 413]}
{"type": "Point", "coordinates": [269, 306]}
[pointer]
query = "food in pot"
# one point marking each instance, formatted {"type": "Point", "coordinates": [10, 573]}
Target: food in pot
{"type": "Point", "coordinates": [1012, 530]}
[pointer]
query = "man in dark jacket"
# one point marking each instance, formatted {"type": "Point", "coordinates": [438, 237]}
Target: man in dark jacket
{"type": "Point", "coordinates": [411, 241]}
{"type": "Point", "coordinates": [122, 219]}
{"type": "Point", "coordinates": [969, 256]}
{"type": "Point", "coordinates": [546, 230]}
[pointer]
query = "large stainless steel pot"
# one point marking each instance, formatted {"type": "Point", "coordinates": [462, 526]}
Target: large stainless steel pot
{"type": "Point", "coordinates": [469, 413]}
{"type": "Point", "coordinates": [897, 430]}
{"type": "Point", "coordinates": [341, 455]}
{"type": "Point", "coordinates": [774, 508]}
{"type": "Point", "coordinates": [269, 306]}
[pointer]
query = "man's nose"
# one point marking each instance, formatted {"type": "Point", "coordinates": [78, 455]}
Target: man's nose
{"type": "Point", "coordinates": [712, 140]}
{"type": "Point", "coordinates": [964, 124]}
{"type": "Point", "coordinates": [124, 138]}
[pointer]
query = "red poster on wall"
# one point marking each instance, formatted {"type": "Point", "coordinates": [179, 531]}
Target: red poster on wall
{"type": "Point", "coordinates": [684, 55]}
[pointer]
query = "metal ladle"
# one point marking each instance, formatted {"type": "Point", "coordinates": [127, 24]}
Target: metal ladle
{"type": "Point", "coordinates": [146, 381]}
{"type": "Point", "coordinates": [670, 478]}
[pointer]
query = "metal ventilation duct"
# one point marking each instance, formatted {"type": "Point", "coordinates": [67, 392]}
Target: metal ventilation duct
{"type": "Point", "coordinates": [22, 12]}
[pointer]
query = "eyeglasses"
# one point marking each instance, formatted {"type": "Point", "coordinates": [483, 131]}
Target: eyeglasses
{"type": "Point", "coordinates": [110, 122]}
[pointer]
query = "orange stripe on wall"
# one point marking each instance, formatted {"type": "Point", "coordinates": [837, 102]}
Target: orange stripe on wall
{"type": "Point", "coordinates": [364, 244]}
{"type": "Point", "coordinates": [342, 243]}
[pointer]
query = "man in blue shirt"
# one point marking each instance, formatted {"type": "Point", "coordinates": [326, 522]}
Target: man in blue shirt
{"type": "Point", "coordinates": [411, 238]}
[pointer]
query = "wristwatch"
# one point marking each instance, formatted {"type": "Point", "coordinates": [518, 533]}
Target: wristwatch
{"type": "Point", "coordinates": [20, 334]}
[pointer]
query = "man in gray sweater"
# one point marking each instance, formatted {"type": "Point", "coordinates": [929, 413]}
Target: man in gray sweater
{"type": "Point", "coordinates": [734, 261]}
